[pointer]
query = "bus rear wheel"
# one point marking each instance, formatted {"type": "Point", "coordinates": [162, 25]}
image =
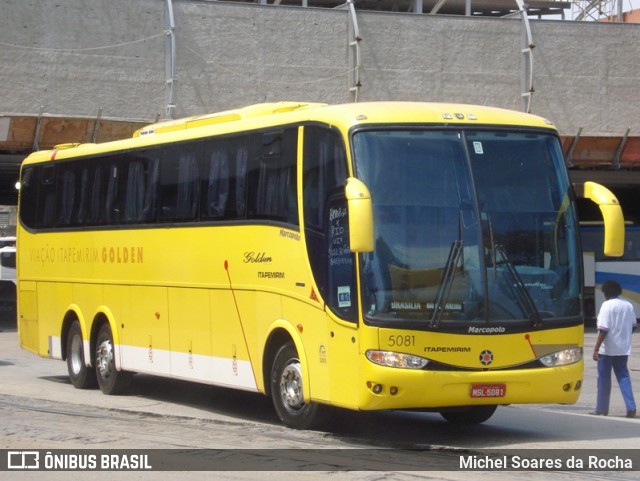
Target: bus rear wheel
{"type": "Point", "coordinates": [287, 393]}
{"type": "Point", "coordinates": [472, 415]}
{"type": "Point", "coordinates": [81, 376]}
{"type": "Point", "coordinates": [110, 380]}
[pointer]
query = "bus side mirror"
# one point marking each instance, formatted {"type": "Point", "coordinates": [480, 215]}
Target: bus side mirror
{"type": "Point", "coordinates": [612, 216]}
{"type": "Point", "coordinates": [360, 216]}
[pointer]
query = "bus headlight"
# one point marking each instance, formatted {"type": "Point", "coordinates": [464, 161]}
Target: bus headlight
{"type": "Point", "coordinates": [562, 358]}
{"type": "Point", "coordinates": [396, 359]}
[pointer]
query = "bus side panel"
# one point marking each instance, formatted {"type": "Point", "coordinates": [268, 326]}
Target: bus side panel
{"type": "Point", "coordinates": [53, 300]}
{"type": "Point", "coordinates": [345, 372]}
{"type": "Point", "coordinates": [142, 314]}
{"type": "Point", "coordinates": [88, 298]}
{"type": "Point", "coordinates": [314, 335]}
{"type": "Point", "coordinates": [265, 308]}
{"type": "Point", "coordinates": [28, 316]}
{"type": "Point", "coordinates": [230, 362]}
{"type": "Point", "coordinates": [190, 331]}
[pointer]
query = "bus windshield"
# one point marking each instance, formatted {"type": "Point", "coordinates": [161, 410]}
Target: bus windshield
{"type": "Point", "coordinates": [471, 227]}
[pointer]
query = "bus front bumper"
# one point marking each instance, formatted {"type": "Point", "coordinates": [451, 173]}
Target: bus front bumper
{"type": "Point", "coordinates": [393, 388]}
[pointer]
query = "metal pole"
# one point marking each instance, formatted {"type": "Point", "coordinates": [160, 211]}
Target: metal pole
{"type": "Point", "coordinates": [620, 13]}
{"type": "Point", "coordinates": [170, 60]}
{"type": "Point", "coordinates": [526, 67]}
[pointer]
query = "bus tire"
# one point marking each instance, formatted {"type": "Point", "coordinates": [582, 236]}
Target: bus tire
{"type": "Point", "coordinates": [81, 376]}
{"type": "Point", "coordinates": [110, 380]}
{"type": "Point", "coordinates": [286, 390]}
{"type": "Point", "coordinates": [472, 415]}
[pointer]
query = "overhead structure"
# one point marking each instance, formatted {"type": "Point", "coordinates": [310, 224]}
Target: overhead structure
{"type": "Point", "coordinates": [496, 8]}
{"type": "Point", "coordinates": [598, 10]}
{"type": "Point", "coordinates": [21, 134]}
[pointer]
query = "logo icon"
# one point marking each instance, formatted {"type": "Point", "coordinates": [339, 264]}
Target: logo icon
{"type": "Point", "coordinates": [23, 460]}
{"type": "Point", "coordinates": [486, 357]}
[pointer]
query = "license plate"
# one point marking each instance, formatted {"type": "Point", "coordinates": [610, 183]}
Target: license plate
{"type": "Point", "coordinates": [488, 390]}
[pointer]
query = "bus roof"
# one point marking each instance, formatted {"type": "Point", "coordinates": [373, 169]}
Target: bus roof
{"type": "Point", "coordinates": [274, 114]}
{"type": "Point", "coordinates": [252, 111]}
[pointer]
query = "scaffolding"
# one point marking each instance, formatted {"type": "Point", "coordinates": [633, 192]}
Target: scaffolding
{"type": "Point", "coordinates": [599, 10]}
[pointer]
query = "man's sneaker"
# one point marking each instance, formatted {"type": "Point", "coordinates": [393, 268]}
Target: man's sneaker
{"type": "Point", "coordinates": [596, 413]}
{"type": "Point", "coordinates": [631, 413]}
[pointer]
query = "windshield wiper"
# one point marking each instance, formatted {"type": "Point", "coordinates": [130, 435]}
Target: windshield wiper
{"type": "Point", "coordinates": [521, 291]}
{"type": "Point", "coordinates": [444, 288]}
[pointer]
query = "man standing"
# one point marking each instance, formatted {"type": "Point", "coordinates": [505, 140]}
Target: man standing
{"type": "Point", "coordinates": [616, 323]}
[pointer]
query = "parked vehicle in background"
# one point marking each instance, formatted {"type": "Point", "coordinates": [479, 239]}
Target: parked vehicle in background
{"type": "Point", "coordinates": [8, 278]}
{"type": "Point", "coordinates": [598, 267]}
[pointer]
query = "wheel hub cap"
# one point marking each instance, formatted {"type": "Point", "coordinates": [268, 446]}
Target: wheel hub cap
{"type": "Point", "coordinates": [104, 358]}
{"type": "Point", "coordinates": [76, 357]}
{"type": "Point", "coordinates": [291, 387]}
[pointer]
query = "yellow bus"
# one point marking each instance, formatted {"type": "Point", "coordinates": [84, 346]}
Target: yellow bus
{"type": "Point", "coordinates": [367, 256]}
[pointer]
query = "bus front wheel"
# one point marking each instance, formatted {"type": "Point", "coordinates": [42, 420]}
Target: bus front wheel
{"type": "Point", "coordinates": [82, 376]}
{"type": "Point", "coordinates": [472, 415]}
{"type": "Point", "coordinates": [286, 390]}
{"type": "Point", "coordinates": [110, 380]}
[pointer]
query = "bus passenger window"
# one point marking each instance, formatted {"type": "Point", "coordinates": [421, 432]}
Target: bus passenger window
{"type": "Point", "coordinates": [149, 208]}
{"type": "Point", "coordinates": [168, 189]}
{"type": "Point", "coordinates": [224, 190]}
{"type": "Point", "coordinates": [217, 185]}
{"type": "Point", "coordinates": [273, 191]}
{"type": "Point", "coordinates": [135, 192]}
{"type": "Point", "coordinates": [242, 166]}
{"type": "Point", "coordinates": [67, 195]}
{"type": "Point", "coordinates": [188, 194]}
{"type": "Point", "coordinates": [324, 171]}
{"type": "Point", "coordinates": [83, 202]}
{"type": "Point", "coordinates": [273, 188]}
{"type": "Point", "coordinates": [97, 197]}
{"type": "Point", "coordinates": [47, 192]}
{"type": "Point", "coordinates": [29, 196]}
{"type": "Point", "coordinates": [113, 209]}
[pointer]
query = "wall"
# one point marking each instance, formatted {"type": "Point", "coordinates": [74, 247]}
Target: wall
{"type": "Point", "coordinates": [74, 57]}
